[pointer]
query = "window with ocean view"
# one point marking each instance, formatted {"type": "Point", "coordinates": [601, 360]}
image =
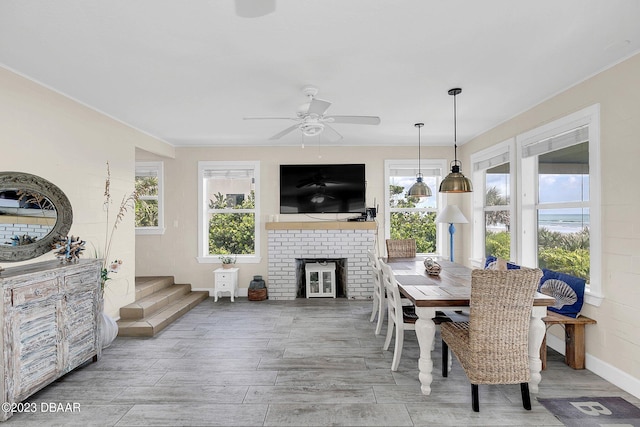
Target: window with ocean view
{"type": "Point", "coordinates": [559, 192]}
{"type": "Point", "coordinates": [563, 210]}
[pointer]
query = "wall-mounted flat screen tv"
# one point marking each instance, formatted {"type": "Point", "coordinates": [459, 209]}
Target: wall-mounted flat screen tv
{"type": "Point", "coordinates": [335, 188]}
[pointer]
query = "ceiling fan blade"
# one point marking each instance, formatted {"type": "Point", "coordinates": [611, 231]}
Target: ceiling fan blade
{"type": "Point", "coordinates": [356, 120]}
{"type": "Point", "coordinates": [331, 134]}
{"type": "Point", "coordinates": [318, 106]}
{"type": "Point", "coordinates": [269, 118]}
{"type": "Point", "coordinates": [284, 132]}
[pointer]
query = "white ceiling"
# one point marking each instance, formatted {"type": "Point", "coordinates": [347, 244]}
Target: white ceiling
{"type": "Point", "coordinates": [189, 71]}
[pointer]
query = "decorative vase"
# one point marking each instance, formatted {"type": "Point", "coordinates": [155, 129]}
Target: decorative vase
{"type": "Point", "coordinates": [227, 266]}
{"type": "Point", "coordinates": [108, 331]}
{"type": "Point", "coordinates": [257, 289]}
{"type": "Point", "coordinates": [257, 283]}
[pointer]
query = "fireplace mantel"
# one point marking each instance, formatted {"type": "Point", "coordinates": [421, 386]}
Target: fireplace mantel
{"type": "Point", "coordinates": [322, 225]}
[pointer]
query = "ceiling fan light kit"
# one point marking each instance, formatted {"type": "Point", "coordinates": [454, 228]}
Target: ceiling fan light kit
{"type": "Point", "coordinates": [419, 188]}
{"type": "Point", "coordinates": [455, 182]}
{"type": "Point", "coordinates": [311, 129]}
{"type": "Point", "coordinates": [312, 121]}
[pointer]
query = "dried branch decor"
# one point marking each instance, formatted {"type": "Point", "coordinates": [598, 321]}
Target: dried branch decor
{"type": "Point", "coordinates": [128, 202]}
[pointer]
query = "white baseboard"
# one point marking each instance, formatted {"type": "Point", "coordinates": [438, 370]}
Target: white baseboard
{"type": "Point", "coordinates": [242, 292]}
{"type": "Point", "coordinates": [610, 373]}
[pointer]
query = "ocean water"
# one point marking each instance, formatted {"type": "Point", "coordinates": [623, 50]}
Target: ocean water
{"type": "Point", "coordinates": [563, 223]}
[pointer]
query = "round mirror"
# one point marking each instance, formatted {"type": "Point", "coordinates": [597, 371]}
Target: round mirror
{"type": "Point", "coordinates": [33, 214]}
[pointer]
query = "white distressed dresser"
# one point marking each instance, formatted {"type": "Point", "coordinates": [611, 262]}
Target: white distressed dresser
{"type": "Point", "coordinates": [50, 315]}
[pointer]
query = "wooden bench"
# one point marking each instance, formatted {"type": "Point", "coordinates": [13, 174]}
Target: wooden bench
{"type": "Point", "coordinates": [573, 336]}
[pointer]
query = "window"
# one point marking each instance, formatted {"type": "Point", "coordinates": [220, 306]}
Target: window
{"type": "Point", "coordinates": [493, 203]}
{"type": "Point", "coordinates": [412, 217]}
{"type": "Point", "coordinates": [560, 195]}
{"type": "Point", "coordinates": [228, 211]}
{"type": "Point", "coordinates": [149, 207]}
{"type": "Point", "coordinates": [563, 210]}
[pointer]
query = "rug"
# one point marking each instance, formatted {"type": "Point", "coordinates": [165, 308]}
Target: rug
{"type": "Point", "coordinates": [593, 411]}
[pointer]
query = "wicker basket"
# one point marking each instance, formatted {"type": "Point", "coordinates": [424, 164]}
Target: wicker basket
{"type": "Point", "coordinates": [257, 294]}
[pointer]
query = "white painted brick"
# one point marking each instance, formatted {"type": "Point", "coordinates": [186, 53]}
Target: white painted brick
{"type": "Point", "coordinates": [284, 246]}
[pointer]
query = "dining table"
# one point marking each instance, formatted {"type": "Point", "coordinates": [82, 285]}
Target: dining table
{"type": "Point", "coordinates": [451, 290]}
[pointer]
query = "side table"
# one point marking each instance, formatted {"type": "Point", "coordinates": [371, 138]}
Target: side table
{"type": "Point", "coordinates": [225, 280]}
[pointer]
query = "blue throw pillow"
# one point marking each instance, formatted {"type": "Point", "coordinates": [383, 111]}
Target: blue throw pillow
{"type": "Point", "coordinates": [566, 289]}
{"type": "Point", "coordinates": [491, 264]}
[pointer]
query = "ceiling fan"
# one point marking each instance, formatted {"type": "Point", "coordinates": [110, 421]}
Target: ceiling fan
{"type": "Point", "coordinates": [311, 119]}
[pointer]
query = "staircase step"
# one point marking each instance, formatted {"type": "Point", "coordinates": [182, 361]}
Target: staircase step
{"type": "Point", "coordinates": [146, 285]}
{"type": "Point", "coordinates": [151, 325]}
{"type": "Point", "coordinates": [148, 305]}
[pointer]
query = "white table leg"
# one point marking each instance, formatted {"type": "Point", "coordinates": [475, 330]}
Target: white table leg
{"type": "Point", "coordinates": [537, 331]}
{"type": "Point", "coordinates": [425, 331]}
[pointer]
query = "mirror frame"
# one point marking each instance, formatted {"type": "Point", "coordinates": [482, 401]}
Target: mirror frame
{"type": "Point", "coordinates": [64, 213]}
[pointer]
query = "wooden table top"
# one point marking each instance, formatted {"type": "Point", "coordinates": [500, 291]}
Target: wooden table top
{"type": "Point", "coordinates": [452, 288]}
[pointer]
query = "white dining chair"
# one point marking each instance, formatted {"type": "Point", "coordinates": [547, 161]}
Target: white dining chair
{"type": "Point", "coordinates": [396, 320]}
{"type": "Point", "coordinates": [379, 295]}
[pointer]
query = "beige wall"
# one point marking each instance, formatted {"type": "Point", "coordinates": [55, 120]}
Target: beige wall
{"type": "Point", "coordinates": [615, 339]}
{"type": "Point", "coordinates": [46, 134]}
{"type": "Point", "coordinates": [175, 252]}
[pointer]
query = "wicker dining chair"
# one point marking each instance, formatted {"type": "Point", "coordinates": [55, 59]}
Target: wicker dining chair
{"type": "Point", "coordinates": [401, 248]}
{"type": "Point", "coordinates": [379, 294]}
{"type": "Point", "coordinates": [493, 346]}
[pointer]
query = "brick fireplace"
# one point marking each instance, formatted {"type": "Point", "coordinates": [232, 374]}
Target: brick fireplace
{"type": "Point", "coordinates": [288, 241]}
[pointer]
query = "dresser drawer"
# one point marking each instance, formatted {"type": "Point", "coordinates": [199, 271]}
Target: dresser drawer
{"type": "Point", "coordinates": [224, 286]}
{"type": "Point", "coordinates": [35, 292]}
{"type": "Point", "coordinates": [228, 277]}
{"type": "Point", "coordinates": [82, 278]}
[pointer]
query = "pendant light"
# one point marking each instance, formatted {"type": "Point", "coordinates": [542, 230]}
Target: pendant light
{"type": "Point", "coordinates": [455, 182]}
{"type": "Point", "coordinates": [419, 189]}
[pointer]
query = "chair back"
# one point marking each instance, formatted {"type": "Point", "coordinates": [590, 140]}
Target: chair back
{"type": "Point", "coordinates": [394, 303]}
{"type": "Point", "coordinates": [376, 273]}
{"type": "Point", "coordinates": [500, 312]}
{"type": "Point", "coordinates": [401, 248]}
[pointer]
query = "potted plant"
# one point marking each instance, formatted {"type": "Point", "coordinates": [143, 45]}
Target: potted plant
{"type": "Point", "coordinates": [227, 260]}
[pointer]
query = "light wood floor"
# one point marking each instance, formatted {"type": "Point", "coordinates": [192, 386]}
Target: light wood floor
{"type": "Point", "coordinates": [310, 362]}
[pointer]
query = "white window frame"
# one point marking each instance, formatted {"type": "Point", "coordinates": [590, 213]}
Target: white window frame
{"type": "Point", "coordinates": [501, 153]}
{"type": "Point", "coordinates": [158, 167]}
{"type": "Point", "coordinates": [442, 241]}
{"type": "Point", "coordinates": [203, 206]}
{"type": "Point", "coordinates": [528, 193]}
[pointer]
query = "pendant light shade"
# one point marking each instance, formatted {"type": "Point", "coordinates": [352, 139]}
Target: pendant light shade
{"type": "Point", "coordinates": [419, 189]}
{"type": "Point", "coordinates": [455, 182]}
